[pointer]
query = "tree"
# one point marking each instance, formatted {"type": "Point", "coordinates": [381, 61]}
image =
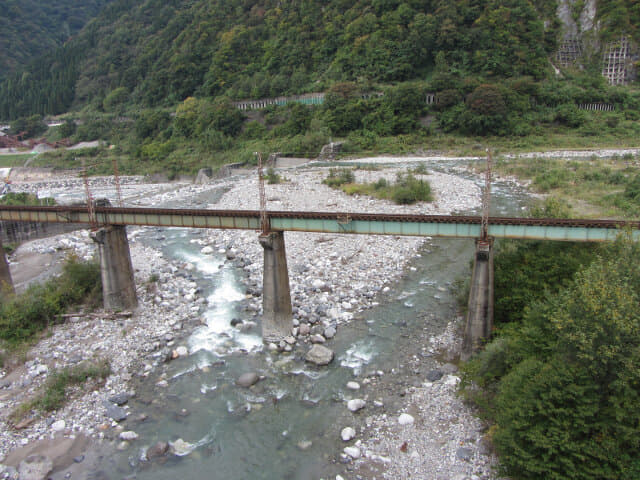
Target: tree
{"type": "Point", "coordinates": [566, 395]}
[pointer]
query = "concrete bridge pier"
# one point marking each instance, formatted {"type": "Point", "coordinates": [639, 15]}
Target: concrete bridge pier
{"type": "Point", "coordinates": [6, 284]}
{"type": "Point", "coordinates": [480, 309]}
{"type": "Point", "coordinates": [277, 318]}
{"type": "Point", "coordinates": [118, 287]}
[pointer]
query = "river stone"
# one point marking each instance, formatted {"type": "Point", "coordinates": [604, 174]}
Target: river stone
{"type": "Point", "coordinates": [353, 452]}
{"type": "Point", "coordinates": [464, 453]}
{"type": "Point", "coordinates": [356, 404]}
{"type": "Point", "coordinates": [182, 351]}
{"type": "Point", "coordinates": [120, 398]}
{"type": "Point", "coordinates": [58, 426]}
{"type": "Point", "coordinates": [157, 450]}
{"type": "Point", "coordinates": [35, 467]}
{"type": "Point", "coordinates": [347, 434]}
{"type": "Point", "coordinates": [405, 419]}
{"type": "Point", "coordinates": [434, 375]}
{"type": "Point", "coordinates": [353, 385]}
{"type": "Point", "coordinates": [180, 448]}
{"type": "Point", "coordinates": [206, 250]}
{"type": "Point", "coordinates": [317, 339]}
{"type": "Point", "coordinates": [116, 413]}
{"type": "Point", "coordinates": [247, 379]}
{"type": "Point", "coordinates": [128, 435]}
{"type": "Point", "coordinates": [330, 332]}
{"type": "Point", "coordinates": [319, 355]}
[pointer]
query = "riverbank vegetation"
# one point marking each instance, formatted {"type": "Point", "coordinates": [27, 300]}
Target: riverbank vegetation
{"type": "Point", "coordinates": [560, 380]}
{"type": "Point", "coordinates": [23, 198]}
{"type": "Point", "coordinates": [590, 187]}
{"type": "Point", "coordinates": [58, 388]}
{"type": "Point", "coordinates": [407, 189]}
{"type": "Point", "coordinates": [24, 316]}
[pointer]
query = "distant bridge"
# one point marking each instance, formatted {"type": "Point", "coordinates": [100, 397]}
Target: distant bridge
{"type": "Point", "coordinates": [574, 230]}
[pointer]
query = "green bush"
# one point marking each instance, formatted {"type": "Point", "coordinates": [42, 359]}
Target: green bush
{"type": "Point", "coordinates": [25, 315]}
{"type": "Point", "coordinates": [272, 177]}
{"type": "Point", "coordinates": [408, 189]}
{"type": "Point", "coordinates": [55, 392]}
{"type": "Point", "coordinates": [23, 198]}
{"type": "Point", "coordinates": [339, 177]}
{"type": "Point", "coordinates": [563, 385]}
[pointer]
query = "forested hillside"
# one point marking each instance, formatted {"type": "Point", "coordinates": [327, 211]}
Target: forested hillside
{"type": "Point", "coordinates": [159, 52]}
{"type": "Point", "coordinates": [29, 28]}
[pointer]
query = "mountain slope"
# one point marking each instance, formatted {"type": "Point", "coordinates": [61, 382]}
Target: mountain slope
{"type": "Point", "coordinates": [28, 28]}
{"type": "Point", "coordinates": [159, 52]}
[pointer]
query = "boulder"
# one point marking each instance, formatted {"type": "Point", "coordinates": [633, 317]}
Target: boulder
{"type": "Point", "coordinates": [157, 450]}
{"type": "Point", "coordinates": [113, 411]}
{"type": "Point", "coordinates": [204, 176]}
{"type": "Point", "coordinates": [120, 398]}
{"type": "Point", "coordinates": [356, 404]}
{"type": "Point", "coordinates": [247, 379]}
{"type": "Point", "coordinates": [319, 355]}
{"type": "Point", "coordinates": [347, 434]}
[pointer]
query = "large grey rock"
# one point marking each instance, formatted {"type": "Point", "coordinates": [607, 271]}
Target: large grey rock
{"type": "Point", "coordinates": [434, 375]}
{"type": "Point", "coordinates": [319, 355]}
{"type": "Point", "coordinates": [35, 467]}
{"type": "Point", "coordinates": [157, 450]}
{"type": "Point", "coordinates": [120, 398]}
{"type": "Point", "coordinates": [330, 332]}
{"type": "Point", "coordinates": [113, 411]}
{"type": "Point", "coordinates": [247, 379]}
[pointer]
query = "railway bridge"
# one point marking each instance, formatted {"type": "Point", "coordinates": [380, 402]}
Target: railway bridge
{"type": "Point", "coordinates": [109, 223]}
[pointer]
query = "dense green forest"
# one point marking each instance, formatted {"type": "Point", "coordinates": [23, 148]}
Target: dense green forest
{"type": "Point", "coordinates": [30, 28]}
{"type": "Point", "coordinates": [157, 78]}
{"type": "Point", "coordinates": [559, 382]}
{"type": "Point", "coordinates": [161, 52]}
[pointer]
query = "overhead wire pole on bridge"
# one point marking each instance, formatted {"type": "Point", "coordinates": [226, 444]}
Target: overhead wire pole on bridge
{"type": "Point", "coordinates": [90, 205]}
{"type": "Point", "coordinates": [486, 200]}
{"type": "Point", "coordinates": [116, 175]}
{"type": "Point", "coordinates": [264, 224]}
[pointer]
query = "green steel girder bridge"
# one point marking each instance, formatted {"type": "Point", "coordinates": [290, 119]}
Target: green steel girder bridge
{"type": "Point", "coordinates": [330, 222]}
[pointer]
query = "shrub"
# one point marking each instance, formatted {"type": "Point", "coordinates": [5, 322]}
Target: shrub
{"type": "Point", "coordinates": [338, 177]}
{"type": "Point", "coordinates": [272, 177]}
{"type": "Point", "coordinates": [23, 316]}
{"type": "Point", "coordinates": [55, 392]}
{"type": "Point", "coordinates": [23, 198]}
{"type": "Point", "coordinates": [408, 190]}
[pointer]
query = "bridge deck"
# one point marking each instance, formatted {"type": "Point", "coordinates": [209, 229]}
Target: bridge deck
{"type": "Point", "coordinates": [332, 222]}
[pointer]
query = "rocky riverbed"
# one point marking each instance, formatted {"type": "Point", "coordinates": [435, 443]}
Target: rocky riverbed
{"type": "Point", "coordinates": [333, 280]}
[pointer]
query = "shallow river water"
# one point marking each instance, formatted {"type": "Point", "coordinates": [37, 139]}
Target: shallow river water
{"type": "Point", "coordinates": [288, 425]}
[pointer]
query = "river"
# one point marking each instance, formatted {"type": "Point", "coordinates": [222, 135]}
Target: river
{"type": "Point", "coordinates": [288, 425]}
